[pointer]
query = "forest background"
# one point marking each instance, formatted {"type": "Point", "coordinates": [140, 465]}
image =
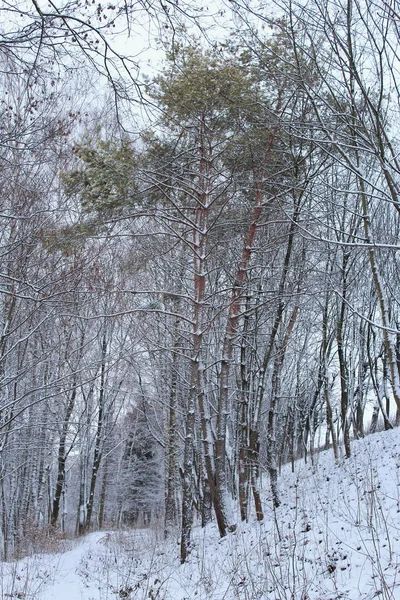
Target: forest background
{"type": "Point", "coordinates": [199, 267]}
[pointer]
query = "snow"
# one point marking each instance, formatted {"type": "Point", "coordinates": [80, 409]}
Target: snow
{"type": "Point", "coordinates": [335, 536]}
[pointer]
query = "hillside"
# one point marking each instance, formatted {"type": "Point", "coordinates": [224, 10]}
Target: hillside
{"type": "Point", "coordinates": [335, 535]}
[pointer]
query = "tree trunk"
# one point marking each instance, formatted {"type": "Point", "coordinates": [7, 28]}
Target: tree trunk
{"type": "Point", "coordinates": [99, 436]}
{"type": "Point", "coordinates": [62, 457]}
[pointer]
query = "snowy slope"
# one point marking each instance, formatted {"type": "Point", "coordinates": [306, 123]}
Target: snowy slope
{"type": "Point", "coordinates": [335, 535]}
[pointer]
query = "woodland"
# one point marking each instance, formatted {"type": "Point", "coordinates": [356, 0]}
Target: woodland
{"type": "Point", "coordinates": [199, 241]}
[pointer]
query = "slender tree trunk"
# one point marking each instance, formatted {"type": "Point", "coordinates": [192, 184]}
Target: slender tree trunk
{"type": "Point", "coordinates": [171, 493]}
{"type": "Point", "coordinates": [62, 457]}
{"type": "Point", "coordinates": [103, 494]}
{"type": "Point", "coordinates": [324, 361]}
{"type": "Point", "coordinates": [244, 420]}
{"type": "Point", "coordinates": [99, 436]}
{"type": "Point", "coordinates": [344, 394]}
{"type": "Point", "coordinates": [272, 459]}
{"type": "Point", "coordinates": [187, 482]}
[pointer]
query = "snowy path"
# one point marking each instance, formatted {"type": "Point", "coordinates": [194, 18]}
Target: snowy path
{"type": "Point", "coordinates": [68, 584]}
{"type": "Point", "coordinates": [51, 577]}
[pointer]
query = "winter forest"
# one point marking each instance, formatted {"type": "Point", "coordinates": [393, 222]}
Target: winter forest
{"type": "Point", "coordinates": [199, 240]}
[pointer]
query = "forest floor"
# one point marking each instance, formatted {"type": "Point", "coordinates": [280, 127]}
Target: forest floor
{"type": "Point", "coordinates": [335, 536]}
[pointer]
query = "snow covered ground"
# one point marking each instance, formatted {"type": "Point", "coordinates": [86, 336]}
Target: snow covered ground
{"type": "Point", "coordinates": [336, 535]}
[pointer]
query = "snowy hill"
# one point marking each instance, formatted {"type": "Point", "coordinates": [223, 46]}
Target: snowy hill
{"type": "Point", "coordinates": [335, 535]}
